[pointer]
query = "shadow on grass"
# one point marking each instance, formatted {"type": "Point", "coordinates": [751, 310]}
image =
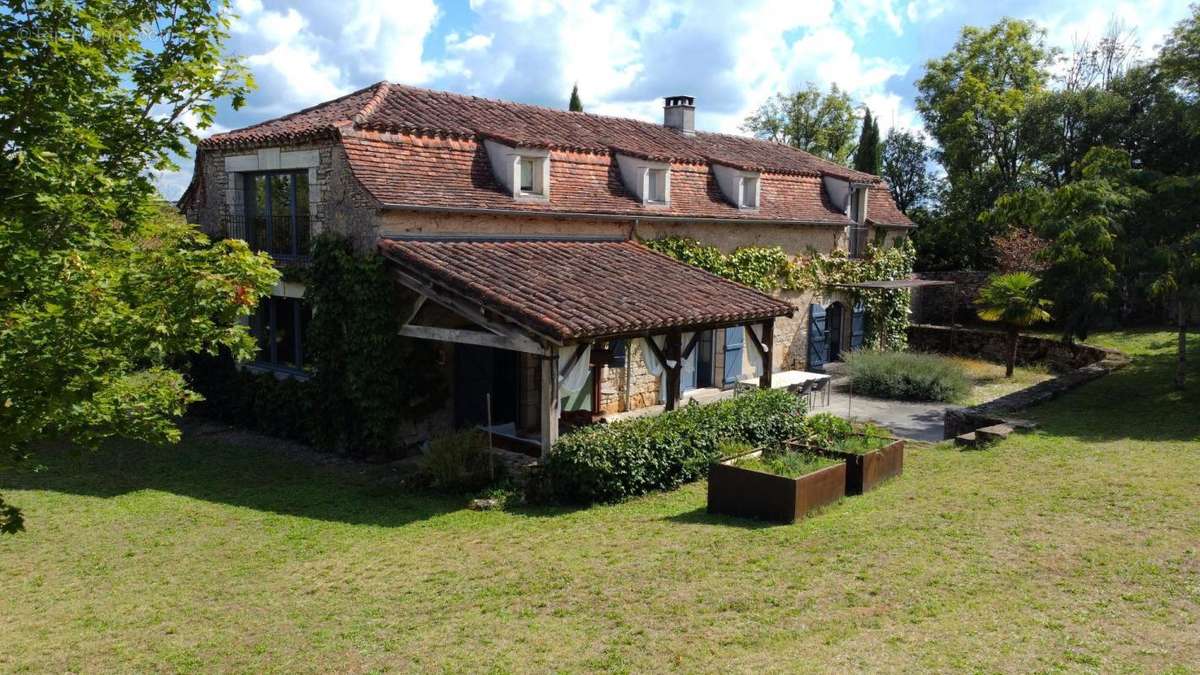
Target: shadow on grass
{"type": "Point", "coordinates": [1138, 402]}
{"type": "Point", "coordinates": [701, 516]}
{"type": "Point", "coordinates": [227, 473]}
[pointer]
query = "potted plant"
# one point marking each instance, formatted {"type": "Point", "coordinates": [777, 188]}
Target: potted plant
{"type": "Point", "coordinates": [780, 484]}
{"type": "Point", "coordinates": [871, 454]}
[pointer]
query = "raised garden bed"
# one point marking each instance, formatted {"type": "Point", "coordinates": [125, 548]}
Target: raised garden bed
{"type": "Point", "coordinates": [744, 487]}
{"type": "Point", "coordinates": [866, 468]}
{"type": "Point", "coordinates": [871, 454]}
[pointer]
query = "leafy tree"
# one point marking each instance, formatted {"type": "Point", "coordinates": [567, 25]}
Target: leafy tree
{"type": "Point", "coordinates": [822, 124]}
{"type": "Point", "coordinates": [1081, 222]}
{"type": "Point", "coordinates": [100, 292]}
{"type": "Point", "coordinates": [973, 101]}
{"type": "Point", "coordinates": [1180, 55]}
{"type": "Point", "coordinates": [1012, 300]}
{"type": "Point", "coordinates": [1180, 283]}
{"type": "Point", "coordinates": [576, 105]}
{"type": "Point", "coordinates": [905, 167]}
{"type": "Point", "coordinates": [868, 155]}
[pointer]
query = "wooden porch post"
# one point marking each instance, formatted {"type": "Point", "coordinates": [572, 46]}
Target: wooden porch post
{"type": "Point", "coordinates": [767, 351]}
{"type": "Point", "coordinates": [673, 352]}
{"type": "Point", "coordinates": [549, 400]}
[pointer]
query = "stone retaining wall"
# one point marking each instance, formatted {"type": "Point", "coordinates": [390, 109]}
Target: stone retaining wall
{"type": "Point", "coordinates": [990, 345]}
{"type": "Point", "coordinates": [1076, 363]}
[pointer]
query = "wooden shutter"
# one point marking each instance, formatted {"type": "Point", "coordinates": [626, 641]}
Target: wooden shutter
{"type": "Point", "coordinates": [818, 342]}
{"type": "Point", "coordinates": [858, 326]}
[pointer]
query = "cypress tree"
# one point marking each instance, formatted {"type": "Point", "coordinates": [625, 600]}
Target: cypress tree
{"type": "Point", "coordinates": [868, 155]}
{"type": "Point", "coordinates": [576, 105]}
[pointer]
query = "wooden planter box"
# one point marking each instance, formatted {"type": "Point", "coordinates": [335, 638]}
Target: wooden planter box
{"type": "Point", "coordinates": [735, 491]}
{"type": "Point", "coordinates": [866, 471]}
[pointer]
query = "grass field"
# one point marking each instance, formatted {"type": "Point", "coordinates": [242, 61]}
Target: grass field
{"type": "Point", "coordinates": [1074, 548]}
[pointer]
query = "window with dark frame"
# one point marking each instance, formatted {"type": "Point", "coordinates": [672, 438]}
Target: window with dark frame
{"type": "Point", "coordinates": [280, 326]}
{"type": "Point", "coordinates": [277, 214]}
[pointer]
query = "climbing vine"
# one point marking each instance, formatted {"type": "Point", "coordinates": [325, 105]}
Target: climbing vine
{"type": "Point", "coordinates": [769, 268]}
{"type": "Point", "coordinates": [765, 268]}
{"type": "Point", "coordinates": [887, 310]}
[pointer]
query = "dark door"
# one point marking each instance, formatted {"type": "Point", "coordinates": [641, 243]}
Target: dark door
{"type": "Point", "coordinates": [479, 371]}
{"type": "Point", "coordinates": [833, 331]}
{"type": "Point", "coordinates": [734, 340]}
{"type": "Point", "coordinates": [817, 345]}
{"type": "Point", "coordinates": [704, 360]}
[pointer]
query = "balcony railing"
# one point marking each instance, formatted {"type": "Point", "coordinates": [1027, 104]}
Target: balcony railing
{"type": "Point", "coordinates": [284, 237]}
{"type": "Point", "coordinates": [858, 240]}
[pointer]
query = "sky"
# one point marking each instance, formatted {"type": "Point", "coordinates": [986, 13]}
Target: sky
{"type": "Point", "coordinates": [626, 55]}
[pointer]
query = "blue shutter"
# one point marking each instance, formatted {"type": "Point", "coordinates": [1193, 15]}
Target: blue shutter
{"type": "Point", "coordinates": [734, 341]}
{"type": "Point", "coordinates": [858, 327]}
{"type": "Point", "coordinates": [818, 342]}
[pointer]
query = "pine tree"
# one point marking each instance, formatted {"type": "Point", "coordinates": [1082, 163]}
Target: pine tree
{"type": "Point", "coordinates": [576, 105]}
{"type": "Point", "coordinates": [868, 156]}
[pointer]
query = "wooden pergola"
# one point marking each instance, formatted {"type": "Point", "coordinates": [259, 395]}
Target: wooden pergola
{"type": "Point", "coordinates": [553, 297]}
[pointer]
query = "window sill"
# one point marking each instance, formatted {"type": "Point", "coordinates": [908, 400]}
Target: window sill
{"type": "Point", "coordinates": [281, 372]}
{"type": "Point", "coordinates": [531, 197]}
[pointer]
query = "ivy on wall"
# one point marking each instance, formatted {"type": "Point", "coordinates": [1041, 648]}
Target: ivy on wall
{"type": "Point", "coordinates": [765, 268]}
{"type": "Point", "coordinates": [365, 379]}
{"type": "Point", "coordinates": [887, 310]}
{"type": "Point", "coordinates": [769, 268]}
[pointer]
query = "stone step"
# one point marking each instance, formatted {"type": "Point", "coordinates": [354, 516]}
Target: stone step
{"type": "Point", "coordinates": [967, 440]}
{"type": "Point", "coordinates": [994, 433]}
{"type": "Point", "coordinates": [1021, 425]}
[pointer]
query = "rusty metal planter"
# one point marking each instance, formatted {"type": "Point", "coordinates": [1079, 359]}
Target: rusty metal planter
{"type": "Point", "coordinates": [864, 472]}
{"type": "Point", "coordinates": [736, 491]}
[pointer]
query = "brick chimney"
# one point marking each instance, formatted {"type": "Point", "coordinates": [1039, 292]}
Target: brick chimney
{"type": "Point", "coordinates": [679, 112]}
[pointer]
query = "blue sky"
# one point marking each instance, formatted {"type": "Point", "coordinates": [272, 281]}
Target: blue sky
{"type": "Point", "coordinates": [627, 54]}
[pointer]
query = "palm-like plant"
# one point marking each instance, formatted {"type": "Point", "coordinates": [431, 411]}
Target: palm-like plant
{"type": "Point", "coordinates": [1012, 300]}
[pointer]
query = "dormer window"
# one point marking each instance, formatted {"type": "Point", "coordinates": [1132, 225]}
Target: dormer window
{"type": "Point", "coordinates": [742, 188]}
{"type": "Point", "coordinates": [749, 193]}
{"type": "Point", "coordinates": [656, 186]}
{"type": "Point", "coordinates": [648, 180]}
{"type": "Point", "coordinates": [523, 172]}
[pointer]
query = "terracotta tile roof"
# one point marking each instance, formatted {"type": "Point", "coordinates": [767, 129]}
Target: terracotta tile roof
{"type": "Point", "coordinates": [882, 209]}
{"type": "Point", "coordinates": [396, 114]}
{"type": "Point", "coordinates": [450, 173]}
{"type": "Point", "coordinates": [576, 289]}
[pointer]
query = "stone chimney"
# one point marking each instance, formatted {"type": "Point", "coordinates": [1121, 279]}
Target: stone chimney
{"type": "Point", "coordinates": [679, 112]}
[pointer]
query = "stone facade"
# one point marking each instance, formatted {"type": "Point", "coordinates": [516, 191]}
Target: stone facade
{"type": "Point", "coordinates": [339, 203]}
{"type": "Point", "coordinates": [935, 304]}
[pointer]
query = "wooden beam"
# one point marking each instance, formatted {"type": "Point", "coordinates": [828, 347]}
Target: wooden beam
{"type": "Point", "coordinates": [549, 400]}
{"type": "Point", "coordinates": [764, 380]}
{"type": "Point", "coordinates": [414, 310]}
{"type": "Point", "coordinates": [575, 356]}
{"type": "Point", "coordinates": [687, 350]}
{"type": "Point", "coordinates": [451, 299]}
{"type": "Point", "coordinates": [658, 353]}
{"type": "Point", "coordinates": [763, 349]}
{"type": "Point", "coordinates": [473, 337]}
{"type": "Point", "coordinates": [673, 350]}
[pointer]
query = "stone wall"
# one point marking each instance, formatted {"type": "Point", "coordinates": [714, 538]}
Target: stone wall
{"type": "Point", "coordinates": [935, 304]}
{"type": "Point", "coordinates": [991, 345]}
{"type": "Point", "coordinates": [1076, 364]}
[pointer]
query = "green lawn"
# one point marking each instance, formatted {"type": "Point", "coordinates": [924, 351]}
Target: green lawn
{"type": "Point", "coordinates": [1075, 548]}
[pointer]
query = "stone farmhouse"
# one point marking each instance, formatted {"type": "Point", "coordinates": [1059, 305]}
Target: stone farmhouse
{"type": "Point", "coordinates": [516, 230]}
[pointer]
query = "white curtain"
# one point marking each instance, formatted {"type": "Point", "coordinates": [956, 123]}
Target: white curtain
{"type": "Point", "coordinates": [756, 362]}
{"type": "Point", "coordinates": [653, 365]}
{"type": "Point", "coordinates": [572, 380]}
{"type": "Point", "coordinates": [689, 364]}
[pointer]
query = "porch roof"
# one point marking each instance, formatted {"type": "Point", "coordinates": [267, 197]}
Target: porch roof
{"type": "Point", "coordinates": [894, 284]}
{"type": "Point", "coordinates": [572, 289]}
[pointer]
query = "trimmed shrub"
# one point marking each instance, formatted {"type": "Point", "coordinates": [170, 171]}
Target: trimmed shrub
{"type": "Point", "coordinates": [611, 462]}
{"type": "Point", "coordinates": [907, 376]}
{"type": "Point", "coordinates": [457, 462]}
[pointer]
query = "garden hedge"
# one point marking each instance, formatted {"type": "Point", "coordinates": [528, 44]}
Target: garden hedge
{"type": "Point", "coordinates": [611, 462]}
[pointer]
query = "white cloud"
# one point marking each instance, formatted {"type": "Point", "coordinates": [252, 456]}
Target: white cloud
{"type": "Point", "coordinates": [291, 66]}
{"type": "Point", "coordinates": [473, 43]}
{"type": "Point", "coordinates": [390, 36]}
